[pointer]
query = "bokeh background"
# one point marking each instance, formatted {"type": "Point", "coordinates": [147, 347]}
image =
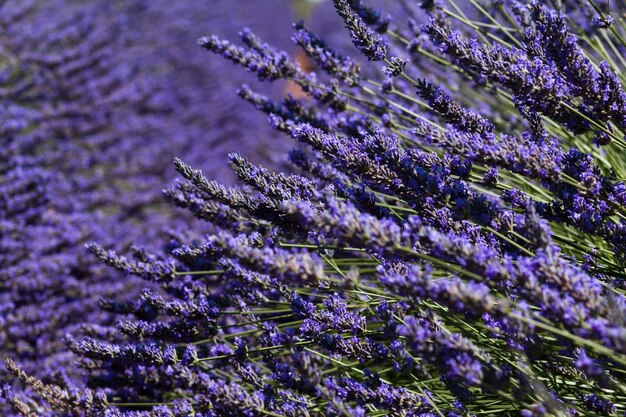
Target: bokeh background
{"type": "Point", "coordinates": [97, 97]}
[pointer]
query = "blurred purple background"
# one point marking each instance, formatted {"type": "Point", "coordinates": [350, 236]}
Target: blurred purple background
{"type": "Point", "coordinates": [97, 99]}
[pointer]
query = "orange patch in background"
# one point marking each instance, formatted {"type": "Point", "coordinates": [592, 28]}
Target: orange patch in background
{"type": "Point", "coordinates": [305, 63]}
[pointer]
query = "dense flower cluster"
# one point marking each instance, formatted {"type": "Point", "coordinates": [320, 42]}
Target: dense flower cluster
{"type": "Point", "coordinates": [449, 241]}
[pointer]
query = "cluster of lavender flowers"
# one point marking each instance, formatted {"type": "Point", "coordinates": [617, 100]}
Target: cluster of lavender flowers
{"type": "Point", "coordinates": [90, 117]}
{"type": "Point", "coordinates": [449, 241]}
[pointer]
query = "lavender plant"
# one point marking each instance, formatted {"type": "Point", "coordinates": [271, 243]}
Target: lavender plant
{"type": "Point", "coordinates": [449, 242]}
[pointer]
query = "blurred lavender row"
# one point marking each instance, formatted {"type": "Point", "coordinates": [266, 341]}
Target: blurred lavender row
{"type": "Point", "coordinates": [97, 99]}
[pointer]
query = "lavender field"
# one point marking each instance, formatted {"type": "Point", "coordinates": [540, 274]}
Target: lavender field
{"type": "Point", "coordinates": [286, 208]}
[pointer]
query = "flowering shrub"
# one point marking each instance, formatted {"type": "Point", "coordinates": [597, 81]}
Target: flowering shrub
{"type": "Point", "coordinates": [449, 242]}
